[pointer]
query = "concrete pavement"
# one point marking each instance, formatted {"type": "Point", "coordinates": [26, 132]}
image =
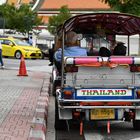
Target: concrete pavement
{"type": "Point", "coordinates": [23, 105]}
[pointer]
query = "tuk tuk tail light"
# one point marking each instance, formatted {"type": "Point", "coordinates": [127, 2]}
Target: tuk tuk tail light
{"type": "Point", "coordinates": [67, 94]}
{"type": "Point", "coordinates": [76, 115]}
{"type": "Point", "coordinates": [134, 68]}
{"type": "Point", "coordinates": [138, 93]}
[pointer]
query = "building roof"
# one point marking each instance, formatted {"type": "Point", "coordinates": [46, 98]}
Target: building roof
{"type": "Point", "coordinates": [74, 4]}
{"type": "Point", "coordinates": [18, 1]}
{"type": "Point", "coordinates": [55, 5]}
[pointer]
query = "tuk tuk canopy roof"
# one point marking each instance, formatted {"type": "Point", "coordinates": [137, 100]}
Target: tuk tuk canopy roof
{"type": "Point", "coordinates": [104, 23]}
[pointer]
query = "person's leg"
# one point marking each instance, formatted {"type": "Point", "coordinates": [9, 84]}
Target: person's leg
{"type": "Point", "coordinates": [51, 57]}
{"type": "Point", "coordinates": [58, 66]}
{"type": "Point", "coordinates": [1, 60]}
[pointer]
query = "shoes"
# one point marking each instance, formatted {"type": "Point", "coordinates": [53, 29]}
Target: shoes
{"type": "Point", "coordinates": [50, 64]}
{"type": "Point", "coordinates": [2, 67]}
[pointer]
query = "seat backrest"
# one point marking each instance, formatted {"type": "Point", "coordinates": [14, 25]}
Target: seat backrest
{"type": "Point", "coordinates": [104, 52]}
{"type": "Point", "coordinates": [120, 49]}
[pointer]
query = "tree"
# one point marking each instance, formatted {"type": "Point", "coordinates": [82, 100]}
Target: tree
{"type": "Point", "coordinates": [57, 20]}
{"type": "Point", "coordinates": [6, 12]}
{"type": "Point", "coordinates": [27, 19]}
{"type": "Point", "coordinates": [21, 19]}
{"type": "Point", "coordinates": [125, 6]}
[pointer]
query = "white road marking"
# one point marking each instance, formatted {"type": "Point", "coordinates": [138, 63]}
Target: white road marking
{"type": "Point", "coordinates": [92, 136]}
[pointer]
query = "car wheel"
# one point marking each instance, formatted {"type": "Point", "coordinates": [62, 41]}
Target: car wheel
{"type": "Point", "coordinates": [18, 54]}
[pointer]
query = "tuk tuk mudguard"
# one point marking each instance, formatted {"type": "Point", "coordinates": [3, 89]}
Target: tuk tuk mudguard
{"type": "Point", "coordinates": [65, 114]}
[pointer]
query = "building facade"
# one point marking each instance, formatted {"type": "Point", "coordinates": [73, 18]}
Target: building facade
{"type": "Point", "coordinates": [47, 8]}
{"type": "Point", "coordinates": [51, 7]}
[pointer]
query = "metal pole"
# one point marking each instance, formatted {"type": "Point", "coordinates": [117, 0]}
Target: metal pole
{"type": "Point", "coordinates": [139, 46]}
{"type": "Point", "coordinates": [3, 26]}
{"type": "Point", "coordinates": [128, 42]}
{"type": "Point", "coordinates": [62, 58]}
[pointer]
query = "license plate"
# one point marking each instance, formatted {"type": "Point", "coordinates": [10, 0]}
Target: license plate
{"type": "Point", "coordinates": [100, 114]}
{"type": "Point", "coordinates": [37, 54]}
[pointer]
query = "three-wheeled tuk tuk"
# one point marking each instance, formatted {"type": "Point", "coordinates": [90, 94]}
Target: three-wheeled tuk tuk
{"type": "Point", "coordinates": [97, 87]}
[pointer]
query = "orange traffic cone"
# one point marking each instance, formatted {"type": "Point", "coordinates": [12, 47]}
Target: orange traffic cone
{"type": "Point", "coordinates": [22, 69]}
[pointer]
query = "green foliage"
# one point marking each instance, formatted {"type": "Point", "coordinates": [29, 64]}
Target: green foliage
{"type": "Point", "coordinates": [57, 20]}
{"type": "Point", "coordinates": [21, 19]}
{"type": "Point", "coordinates": [125, 6]}
{"type": "Point", "coordinates": [27, 18]}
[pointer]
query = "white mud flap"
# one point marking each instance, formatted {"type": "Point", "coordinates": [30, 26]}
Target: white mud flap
{"type": "Point", "coordinates": [120, 114]}
{"type": "Point", "coordinates": [54, 75]}
{"type": "Point", "coordinates": [65, 114]}
{"type": "Point", "coordinates": [137, 115]}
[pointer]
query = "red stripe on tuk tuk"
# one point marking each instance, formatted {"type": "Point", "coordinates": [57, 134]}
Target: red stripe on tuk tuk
{"type": "Point", "coordinates": [121, 60]}
{"type": "Point", "coordinates": [106, 103]}
{"type": "Point", "coordinates": [119, 103]}
{"type": "Point", "coordinates": [86, 60]}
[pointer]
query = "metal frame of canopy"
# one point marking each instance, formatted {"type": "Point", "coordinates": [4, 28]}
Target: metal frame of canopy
{"type": "Point", "coordinates": [110, 23]}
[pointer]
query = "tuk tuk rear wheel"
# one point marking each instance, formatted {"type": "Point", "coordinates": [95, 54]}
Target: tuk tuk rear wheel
{"type": "Point", "coordinates": [136, 124]}
{"type": "Point", "coordinates": [59, 124]}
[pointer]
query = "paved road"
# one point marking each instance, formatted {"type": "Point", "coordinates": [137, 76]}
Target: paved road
{"type": "Point", "coordinates": [31, 65]}
{"type": "Point", "coordinates": [25, 90]}
{"type": "Point", "coordinates": [20, 99]}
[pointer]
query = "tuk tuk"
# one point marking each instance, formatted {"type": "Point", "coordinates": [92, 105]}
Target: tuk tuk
{"type": "Point", "coordinates": [95, 87]}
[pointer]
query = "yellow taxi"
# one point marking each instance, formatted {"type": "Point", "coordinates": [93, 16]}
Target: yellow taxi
{"type": "Point", "coordinates": [13, 47]}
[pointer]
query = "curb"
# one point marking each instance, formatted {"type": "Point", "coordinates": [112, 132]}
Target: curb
{"type": "Point", "coordinates": [39, 123]}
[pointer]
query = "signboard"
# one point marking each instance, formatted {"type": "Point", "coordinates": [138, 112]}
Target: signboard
{"type": "Point", "coordinates": [104, 93]}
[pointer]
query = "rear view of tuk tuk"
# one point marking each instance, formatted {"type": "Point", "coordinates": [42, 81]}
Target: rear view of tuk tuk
{"type": "Point", "coordinates": [99, 87]}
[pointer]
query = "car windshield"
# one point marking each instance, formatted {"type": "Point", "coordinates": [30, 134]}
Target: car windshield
{"type": "Point", "coordinates": [42, 46]}
{"type": "Point", "coordinates": [21, 43]}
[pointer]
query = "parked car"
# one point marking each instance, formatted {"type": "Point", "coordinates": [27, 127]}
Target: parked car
{"type": "Point", "coordinates": [44, 49]}
{"type": "Point", "coordinates": [13, 47]}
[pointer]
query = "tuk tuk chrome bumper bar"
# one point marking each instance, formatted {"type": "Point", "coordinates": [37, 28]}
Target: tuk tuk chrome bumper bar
{"type": "Point", "coordinates": [62, 106]}
{"type": "Point", "coordinates": [88, 101]}
{"type": "Point", "coordinates": [95, 107]}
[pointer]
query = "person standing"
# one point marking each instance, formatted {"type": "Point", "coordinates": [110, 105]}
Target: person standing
{"type": "Point", "coordinates": [30, 40]}
{"type": "Point", "coordinates": [1, 59]}
{"type": "Point", "coordinates": [51, 54]}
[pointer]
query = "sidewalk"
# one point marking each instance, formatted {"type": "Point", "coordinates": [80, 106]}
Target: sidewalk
{"type": "Point", "coordinates": [23, 105]}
